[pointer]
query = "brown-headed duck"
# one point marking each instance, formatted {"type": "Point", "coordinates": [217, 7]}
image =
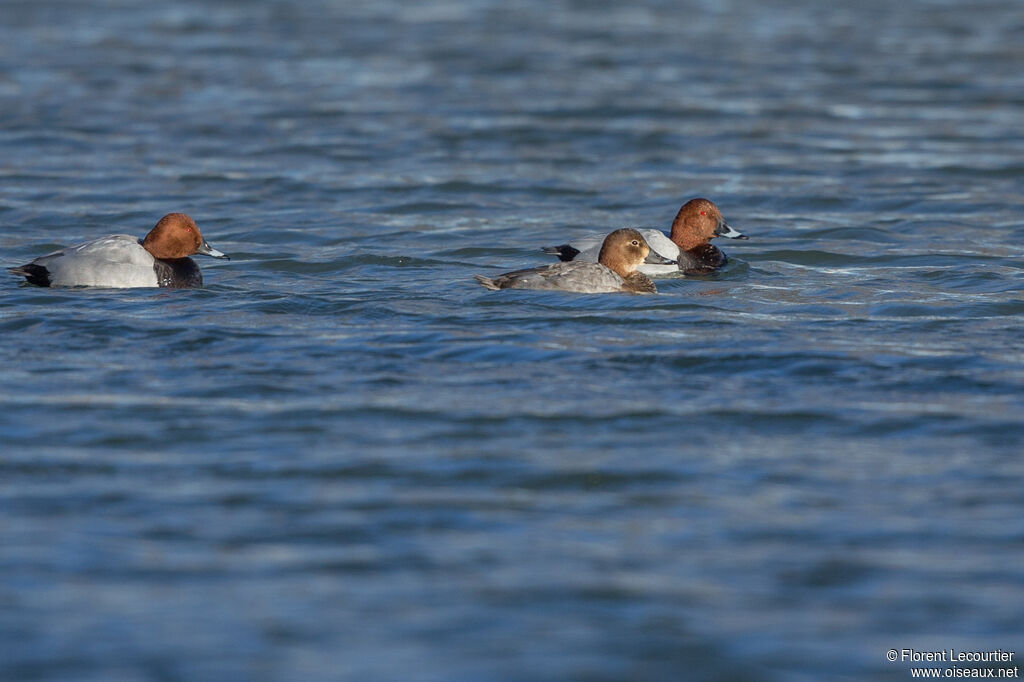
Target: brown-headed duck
{"type": "Point", "coordinates": [697, 223]}
{"type": "Point", "coordinates": [621, 253]}
{"type": "Point", "coordinates": [161, 259]}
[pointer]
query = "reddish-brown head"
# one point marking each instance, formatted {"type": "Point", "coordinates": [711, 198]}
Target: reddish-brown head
{"type": "Point", "coordinates": [698, 222]}
{"type": "Point", "coordinates": [177, 236]}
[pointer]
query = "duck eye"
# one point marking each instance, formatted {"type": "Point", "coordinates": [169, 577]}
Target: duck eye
{"type": "Point", "coordinates": [636, 243]}
{"type": "Point", "coordinates": [703, 212]}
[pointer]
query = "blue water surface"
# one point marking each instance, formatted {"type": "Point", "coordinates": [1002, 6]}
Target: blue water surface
{"type": "Point", "coordinates": [344, 459]}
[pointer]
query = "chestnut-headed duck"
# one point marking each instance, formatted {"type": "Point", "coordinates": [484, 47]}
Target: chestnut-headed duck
{"type": "Point", "coordinates": [621, 253]}
{"type": "Point", "coordinates": [161, 259]}
{"type": "Point", "coordinates": [697, 223]}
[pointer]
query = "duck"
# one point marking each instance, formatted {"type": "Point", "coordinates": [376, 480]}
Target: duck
{"type": "Point", "coordinates": [689, 244]}
{"type": "Point", "coordinates": [621, 253]}
{"type": "Point", "coordinates": [160, 259]}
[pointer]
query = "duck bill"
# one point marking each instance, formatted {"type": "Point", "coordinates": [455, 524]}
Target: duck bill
{"type": "Point", "coordinates": [207, 250]}
{"type": "Point", "coordinates": [723, 230]}
{"type": "Point", "coordinates": [655, 258]}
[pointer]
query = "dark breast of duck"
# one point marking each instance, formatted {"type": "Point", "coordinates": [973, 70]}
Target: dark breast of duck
{"type": "Point", "coordinates": [701, 259]}
{"type": "Point", "coordinates": [640, 283]}
{"type": "Point", "coordinates": [177, 273]}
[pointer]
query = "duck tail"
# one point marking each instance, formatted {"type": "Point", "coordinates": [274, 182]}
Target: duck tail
{"type": "Point", "coordinates": [487, 282]}
{"type": "Point", "coordinates": [563, 251]}
{"type": "Point", "coordinates": [35, 274]}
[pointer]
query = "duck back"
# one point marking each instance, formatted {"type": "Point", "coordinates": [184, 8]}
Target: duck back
{"type": "Point", "coordinates": [577, 276]}
{"type": "Point", "coordinates": [115, 261]}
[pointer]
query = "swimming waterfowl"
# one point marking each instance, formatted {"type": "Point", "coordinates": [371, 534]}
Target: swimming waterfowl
{"type": "Point", "coordinates": [161, 259]}
{"type": "Point", "coordinates": [689, 244]}
{"type": "Point", "coordinates": [620, 254]}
